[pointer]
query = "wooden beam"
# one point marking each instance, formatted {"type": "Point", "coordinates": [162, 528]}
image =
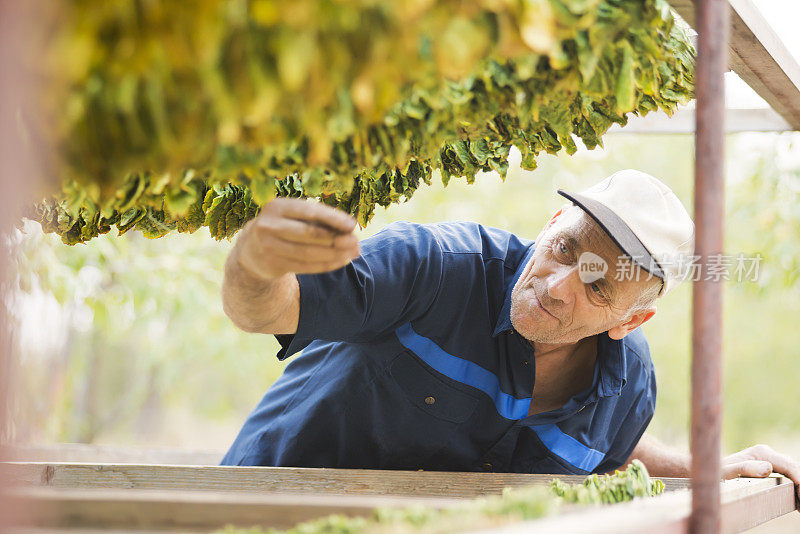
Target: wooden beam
{"type": "Point", "coordinates": [683, 122]}
{"type": "Point", "coordinates": [746, 503]}
{"type": "Point", "coordinates": [758, 56]}
{"type": "Point", "coordinates": [150, 509]}
{"type": "Point", "coordinates": [275, 479]}
{"type": "Point", "coordinates": [748, 509]}
{"type": "Point", "coordinates": [81, 452]}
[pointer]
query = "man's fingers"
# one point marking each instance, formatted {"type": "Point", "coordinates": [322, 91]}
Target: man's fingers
{"type": "Point", "coordinates": [781, 463]}
{"type": "Point", "coordinates": [749, 461]}
{"type": "Point", "coordinates": [307, 253]}
{"type": "Point", "coordinates": [306, 233]}
{"type": "Point", "coordinates": [304, 210]}
{"type": "Point", "coordinates": [747, 468]}
{"type": "Point", "coordinates": [292, 235]}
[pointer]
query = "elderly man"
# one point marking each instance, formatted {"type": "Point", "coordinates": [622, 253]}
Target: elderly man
{"type": "Point", "coordinates": [455, 346]}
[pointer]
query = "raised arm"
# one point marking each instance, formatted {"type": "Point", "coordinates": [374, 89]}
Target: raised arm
{"type": "Point", "coordinates": [260, 292]}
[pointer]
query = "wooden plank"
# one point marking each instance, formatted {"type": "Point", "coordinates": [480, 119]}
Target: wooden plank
{"type": "Point", "coordinates": [81, 452]}
{"type": "Point", "coordinates": [152, 509]}
{"type": "Point", "coordinates": [683, 122]}
{"type": "Point", "coordinates": [274, 479]}
{"type": "Point", "coordinates": [749, 510]}
{"type": "Point", "coordinates": [746, 503]}
{"type": "Point", "coordinates": [758, 56]}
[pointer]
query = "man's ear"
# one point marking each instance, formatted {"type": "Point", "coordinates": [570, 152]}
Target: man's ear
{"type": "Point", "coordinates": [634, 321]}
{"type": "Point", "coordinates": [552, 220]}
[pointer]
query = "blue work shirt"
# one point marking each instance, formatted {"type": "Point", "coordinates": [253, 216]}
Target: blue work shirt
{"type": "Point", "coordinates": [409, 361]}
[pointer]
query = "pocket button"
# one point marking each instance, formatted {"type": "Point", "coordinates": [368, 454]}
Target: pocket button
{"type": "Point", "coordinates": [418, 383]}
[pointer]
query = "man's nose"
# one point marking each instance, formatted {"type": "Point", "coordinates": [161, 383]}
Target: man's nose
{"type": "Point", "coordinates": [561, 283]}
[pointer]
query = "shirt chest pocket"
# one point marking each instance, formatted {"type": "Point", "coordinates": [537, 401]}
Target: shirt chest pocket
{"type": "Point", "coordinates": [405, 416]}
{"type": "Point", "coordinates": [430, 394]}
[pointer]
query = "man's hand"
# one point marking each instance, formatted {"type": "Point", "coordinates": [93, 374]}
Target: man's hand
{"type": "Point", "coordinates": [296, 236]}
{"type": "Point", "coordinates": [759, 461]}
{"type": "Point", "coordinates": [260, 290]}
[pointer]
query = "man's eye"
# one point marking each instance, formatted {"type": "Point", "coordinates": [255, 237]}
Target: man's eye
{"type": "Point", "coordinates": [562, 248]}
{"type": "Point", "coordinates": [596, 289]}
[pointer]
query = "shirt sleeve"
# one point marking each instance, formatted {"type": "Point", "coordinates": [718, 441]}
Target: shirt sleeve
{"type": "Point", "coordinates": [642, 409]}
{"type": "Point", "coordinates": [394, 280]}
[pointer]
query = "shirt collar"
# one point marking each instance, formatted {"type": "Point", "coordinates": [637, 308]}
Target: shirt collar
{"type": "Point", "coordinates": [611, 353]}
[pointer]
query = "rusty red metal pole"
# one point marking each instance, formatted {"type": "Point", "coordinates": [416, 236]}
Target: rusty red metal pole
{"type": "Point", "coordinates": [709, 208]}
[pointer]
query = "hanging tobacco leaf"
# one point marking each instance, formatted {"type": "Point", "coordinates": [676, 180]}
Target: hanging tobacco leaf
{"type": "Point", "coordinates": [173, 115]}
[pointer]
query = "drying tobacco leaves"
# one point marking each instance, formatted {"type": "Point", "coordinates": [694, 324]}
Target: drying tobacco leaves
{"type": "Point", "coordinates": [173, 115]}
{"type": "Point", "coordinates": [514, 505]}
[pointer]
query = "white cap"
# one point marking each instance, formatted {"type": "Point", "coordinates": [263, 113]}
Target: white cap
{"type": "Point", "coordinates": [645, 219]}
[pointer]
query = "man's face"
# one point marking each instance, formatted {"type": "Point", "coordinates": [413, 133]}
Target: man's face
{"type": "Point", "coordinates": [554, 301]}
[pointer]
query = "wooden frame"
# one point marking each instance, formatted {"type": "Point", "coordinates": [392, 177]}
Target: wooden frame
{"type": "Point", "coordinates": [153, 509]}
{"type": "Point", "coordinates": [179, 496]}
{"type": "Point", "coordinates": [307, 480]}
{"type": "Point", "coordinates": [758, 56]}
{"type": "Point", "coordinates": [683, 120]}
{"type": "Point", "coordinates": [84, 452]}
{"type": "Point", "coordinates": [142, 496]}
{"type": "Point", "coordinates": [746, 503]}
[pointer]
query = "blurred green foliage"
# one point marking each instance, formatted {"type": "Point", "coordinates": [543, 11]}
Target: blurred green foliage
{"type": "Point", "coordinates": [138, 339]}
{"type": "Point", "coordinates": [156, 335]}
{"type": "Point", "coordinates": [622, 486]}
{"type": "Point", "coordinates": [166, 116]}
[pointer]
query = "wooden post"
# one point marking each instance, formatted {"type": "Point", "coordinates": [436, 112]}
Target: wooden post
{"type": "Point", "coordinates": [19, 154]}
{"type": "Point", "coordinates": [712, 28]}
{"type": "Point", "coordinates": [8, 192]}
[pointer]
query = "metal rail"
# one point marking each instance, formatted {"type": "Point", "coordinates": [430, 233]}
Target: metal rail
{"type": "Point", "coordinates": [712, 20]}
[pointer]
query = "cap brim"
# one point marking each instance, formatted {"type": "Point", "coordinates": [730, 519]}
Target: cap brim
{"type": "Point", "coordinates": [619, 232]}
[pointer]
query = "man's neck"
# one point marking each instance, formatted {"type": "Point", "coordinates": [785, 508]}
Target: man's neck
{"type": "Point", "coordinates": [542, 350]}
{"type": "Point", "coordinates": [562, 370]}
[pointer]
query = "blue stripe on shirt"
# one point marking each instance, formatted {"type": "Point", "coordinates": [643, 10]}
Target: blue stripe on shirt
{"type": "Point", "coordinates": [472, 374]}
{"type": "Point", "coordinates": [568, 448]}
{"type": "Point", "coordinates": [463, 371]}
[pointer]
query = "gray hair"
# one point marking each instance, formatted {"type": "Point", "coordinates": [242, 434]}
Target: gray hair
{"type": "Point", "coordinates": [646, 297]}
